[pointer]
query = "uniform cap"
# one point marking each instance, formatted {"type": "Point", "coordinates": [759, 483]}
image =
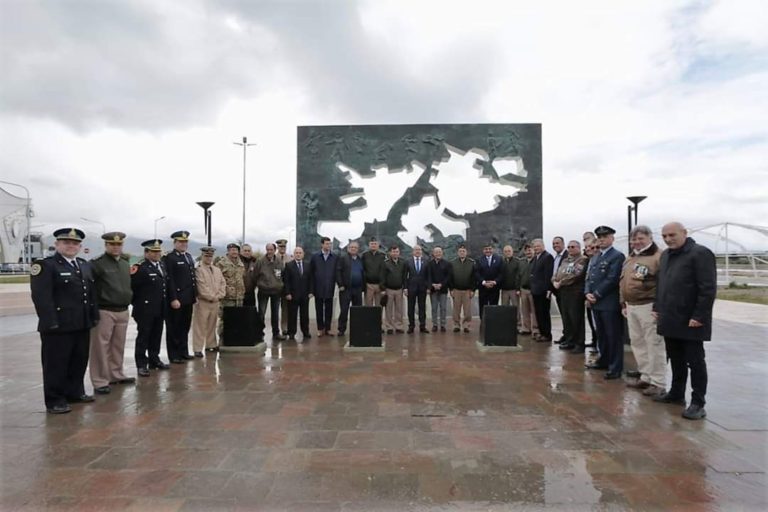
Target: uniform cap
{"type": "Point", "coordinates": [152, 245]}
{"type": "Point", "coordinates": [181, 236]}
{"type": "Point", "coordinates": [604, 230]}
{"type": "Point", "coordinates": [114, 237]}
{"type": "Point", "coordinates": [231, 245]}
{"type": "Point", "coordinates": [282, 242]}
{"type": "Point", "coordinates": [69, 234]}
{"type": "Point", "coordinates": [208, 250]}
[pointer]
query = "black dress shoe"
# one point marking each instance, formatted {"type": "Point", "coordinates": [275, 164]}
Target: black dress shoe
{"type": "Point", "coordinates": [577, 350]}
{"type": "Point", "coordinates": [524, 333]}
{"type": "Point", "coordinates": [399, 331]}
{"type": "Point", "coordinates": [424, 330]}
{"type": "Point", "coordinates": [634, 374]}
{"type": "Point", "coordinates": [127, 380]}
{"type": "Point", "coordinates": [82, 399]}
{"type": "Point", "coordinates": [410, 330]}
{"type": "Point", "coordinates": [143, 372]}
{"type": "Point", "coordinates": [291, 338]}
{"type": "Point", "coordinates": [434, 328]}
{"type": "Point", "coordinates": [278, 337]}
{"type": "Point", "coordinates": [103, 390]}
{"type": "Point", "coordinates": [159, 365]}
{"type": "Point", "coordinates": [466, 329]}
{"type": "Point", "coordinates": [595, 366]}
{"type": "Point", "coordinates": [695, 412]}
{"type": "Point", "coordinates": [442, 329]}
{"type": "Point", "coordinates": [456, 329]}
{"type": "Point", "coordinates": [390, 331]}
{"type": "Point", "coordinates": [307, 336]}
{"type": "Point", "coordinates": [177, 361]}
{"type": "Point", "coordinates": [566, 346]}
{"type": "Point", "coordinates": [594, 351]}
{"type": "Point", "coordinates": [198, 354]}
{"type": "Point", "coordinates": [340, 334]}
{"type": "Point", "coordinates": [210, 349]}
{"type": "Point", "coordinates": [612, 376]}
{"type": "Point", "coordinates": [59, 409]}
{"type": "Point", "coordinates": [666, 398]}
{"type": "Point", "coordinates": [187, 357]}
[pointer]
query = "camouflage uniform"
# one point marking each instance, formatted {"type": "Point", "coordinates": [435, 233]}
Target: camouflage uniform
{"type": "Point", "coordinates": [234, 273]}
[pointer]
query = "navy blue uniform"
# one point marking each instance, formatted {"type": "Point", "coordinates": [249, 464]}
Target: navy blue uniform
{"type": "Point", "coordinates": [182, 286]}
{"type": "Point", "coordinates": [150, 307]}
{"type": "Point", "coordinates": [65, 301]}
{"type": "Point", "coordinates": [602, 280]}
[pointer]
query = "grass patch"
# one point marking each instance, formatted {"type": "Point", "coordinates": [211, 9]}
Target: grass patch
{"type": "Point", "coordinates": [752, 295]}
{"type": "Point", "coordinates": [13, 279]}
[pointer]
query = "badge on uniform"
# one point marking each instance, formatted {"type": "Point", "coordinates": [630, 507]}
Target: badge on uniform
{"type": "Point", "coordinates": [35, 269]}
{"type": "Point", "coordinates": [134, 269]}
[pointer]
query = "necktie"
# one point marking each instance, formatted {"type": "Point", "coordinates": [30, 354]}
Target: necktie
{"type": "Point", "coordinates": [418, 265]}
{"type": "Point", "coordinates": [301, 269]}
{"type": "Point", "coordinates": [159, 269]}
{"type": "Point", "coordinates": [489, 261]}
{"type": "Point", "coordinates": [74, 265]}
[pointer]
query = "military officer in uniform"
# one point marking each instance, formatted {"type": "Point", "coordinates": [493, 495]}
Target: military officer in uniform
{"type": "Point", "coordinates": [211, 288]}
{"type": "Point", "coordinates": [182, 295]}
{"type": "Point", "coordinates": [65, 301]}
{"type": "Point", "coordinates": [601, 290]}
{"type": "Point", "coordinates": [233, 268]}
{"type": "Point", "coordinates": [112, 274]}
{"type": "Point", "coordinates": [149, 281]}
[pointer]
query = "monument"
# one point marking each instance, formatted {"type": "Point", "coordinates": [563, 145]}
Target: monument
{"type": "Point", "coordinates": [426, 184]}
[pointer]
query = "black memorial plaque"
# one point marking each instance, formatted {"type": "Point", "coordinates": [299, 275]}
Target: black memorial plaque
{"type": "Point", "coordinates": [365, 326]}
{"type": "Point", "coordinates": [499, 327]}
{"type": "Point", "coordinates": [242, 327]}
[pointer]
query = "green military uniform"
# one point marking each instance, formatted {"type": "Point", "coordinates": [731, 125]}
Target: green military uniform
{"type": "Point", "coordinates": [234, 276]}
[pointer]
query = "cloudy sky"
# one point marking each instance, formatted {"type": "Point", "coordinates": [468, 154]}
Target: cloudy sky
{"type": "Point", "coordinates": [125, 111]}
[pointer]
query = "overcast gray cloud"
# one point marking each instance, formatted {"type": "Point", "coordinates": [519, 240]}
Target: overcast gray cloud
{"type": "Point", "coordinates": [125, 111]}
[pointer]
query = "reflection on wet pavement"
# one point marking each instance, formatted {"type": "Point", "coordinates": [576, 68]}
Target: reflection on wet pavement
{"type": "Point", "coordinates": [429, 424]}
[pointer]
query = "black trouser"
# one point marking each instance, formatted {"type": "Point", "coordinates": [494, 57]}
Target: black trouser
{"type": "Point", "coordinates": [684, 354]}
{"type": "Point", "coordinates": [349, 297]}
{"type": "Point", "coordinates": [487, 297]}
{"type": "Point", "coordinates": [65, 358]}
{"type": "Point", "coordinates": [274, 310]}
{"type": "Point", "coordinates": [298, 309]}
{"type": "Point", "coordinates": [572, 312]}
{"type": "Point", "coordinates": [591, 320]}
{"type": "Point", "coordinates": [324, 313]}
{"type": "Point", "coordinates": [610, 337]}
{"type": "Point", "coordinates": [541, 306]}
{"type": "Point", "coordinates": [249, 299]}
{"type": "Point", "coordinates": [149, 334]}
{"type": "Point", "coordinates": [559, 302]}
{"type": "Point", "coordinates": [177, 331]}
{"type": "Point", "coordinates": [421, 298]}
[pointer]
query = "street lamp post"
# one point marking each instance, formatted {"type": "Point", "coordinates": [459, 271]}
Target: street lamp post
{"type": "Point", "coordinates": [635, 200]}
{"type": "Point", "coordinates": [245, 145]}
{"type": "Point", "coordinates": [156, 221]}
{"type": "Point", "coordinates": [28, 215]}
{"type": "Point", "coordinates": [103, 226]}
{"type": "Point", "coordinates": [206, 205]}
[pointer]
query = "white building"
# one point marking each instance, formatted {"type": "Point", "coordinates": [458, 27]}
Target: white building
{"type": "Point", "coordinates": [13, 226]}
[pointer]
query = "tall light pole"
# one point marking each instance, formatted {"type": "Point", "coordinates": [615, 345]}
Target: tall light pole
{"type": "Point", "coordinates": [156, 221]}
{"type": "Point", "coordinates": [206, 205]}
{"type": "Point", "coordinates": [635, 200]}
{"type": "Point", "coordinates": [103, 226]}
{"type": "Point", "coordinates": [28, 215]}
{"type": "Point", "coordinates": [245, 145]}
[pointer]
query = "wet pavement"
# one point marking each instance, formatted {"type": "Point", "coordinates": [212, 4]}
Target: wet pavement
{"type": "Point", "coordinates": [430, 424]}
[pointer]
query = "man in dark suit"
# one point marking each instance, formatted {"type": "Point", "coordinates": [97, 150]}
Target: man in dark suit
{"type": "Point", "coordinates": [601, 290]}
{"type": "Point", "coordinates": [541, 282]}
{"type": "Point", "coordinates": [182, 295]}
{"type": "Point", "coordinates": [488, 277]}
{"type": "Point", "coordinates": [149, 281]}
{"type": "Point", "coordinates": [65, 302]}
{"type": "Point", "coordinates": [296, 282]}
{"type": "Point", "coordinates": [416, 286]}
{"type": "Point", "coordinates": [350, 279]}
{"type": "Point", "coordinates": [322, 270]}
{"type": "Point", "coordinates": [559, 254]}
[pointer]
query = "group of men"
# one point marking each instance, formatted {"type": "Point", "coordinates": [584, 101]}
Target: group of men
{"type": "Point", "coordinates": [666, 297]}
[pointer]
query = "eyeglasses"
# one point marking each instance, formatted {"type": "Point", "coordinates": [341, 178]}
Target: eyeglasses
{"type": "Point", "coordinates": [573, 246]}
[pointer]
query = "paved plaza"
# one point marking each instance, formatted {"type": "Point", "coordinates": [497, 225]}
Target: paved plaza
{"type": "Point", "coordinates": [430, 424]}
